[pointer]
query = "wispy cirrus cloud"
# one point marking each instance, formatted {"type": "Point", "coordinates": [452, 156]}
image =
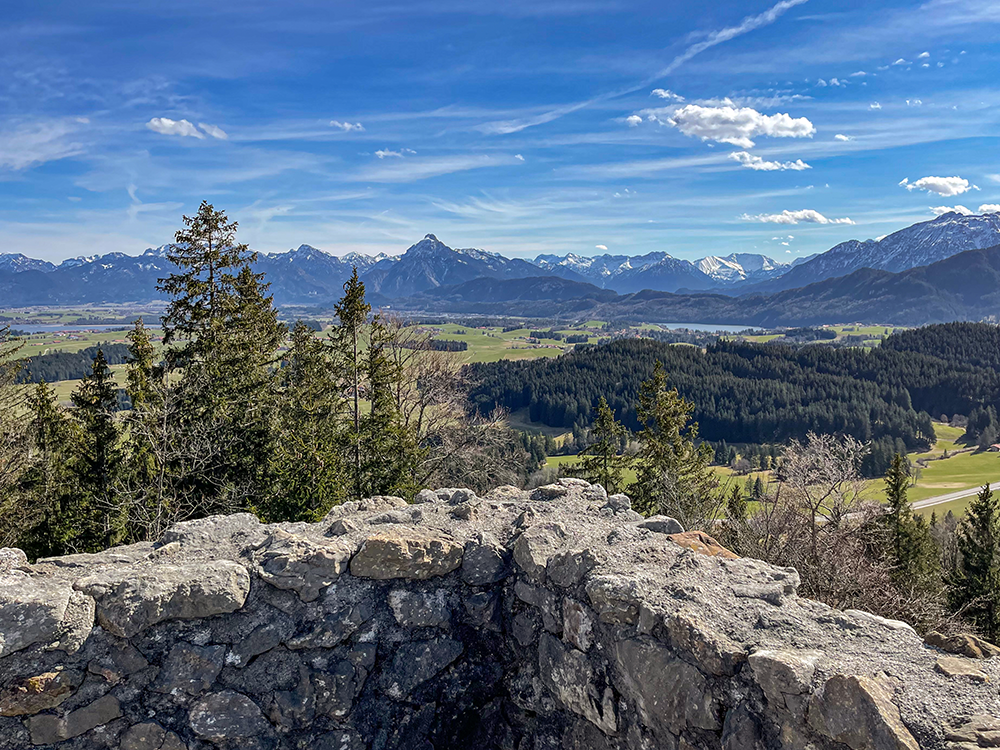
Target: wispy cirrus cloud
{"type": "Point", "coordinates": [803, 216]}
{"type": "Point", "coordinates": [30, 144]}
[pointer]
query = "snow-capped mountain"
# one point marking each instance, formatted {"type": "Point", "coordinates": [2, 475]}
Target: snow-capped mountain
{"type": "Point", "coordinates": [740, 267]}
{"type": "Point", "coordinates": [16, 262]}
{"type": "Point", "coordinates": [430, 263]}
{"type": "Point", "coordinates": [628, 273]}
{"type": "Point", "coordinates": [917, 245]}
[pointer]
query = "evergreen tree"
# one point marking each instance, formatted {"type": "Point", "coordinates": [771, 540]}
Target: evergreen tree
{"type": "Point", "coordinates": [13, 456]}
{"type": "Point", "coordinates": [308, 469]}
{"type": "Point", "coordinates": [140, 373]}
{"type": "Point", "coordinates": [673, 475]}
{"type": "Point", "coordinates": [602, 463]}
{"type": "Point", "coordinates": [736, 505]}
{"type": "Point", "coordinates": [47, 489]}
{"type": "Point", "coordinates": [221, 335]}
{"type": "Point", "coordinates": [976, 589]}
{"type": "Point", "coordinates": [348, 344]}
{"type": "Point", "coordinates": [914, 553]}
{"type": "Point", "coordinates": [98, 464]}
{"type": "Point", "coordinates": [388, 452]}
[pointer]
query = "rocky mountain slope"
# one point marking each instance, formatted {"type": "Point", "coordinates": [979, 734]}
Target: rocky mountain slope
{"type": "Point", "coordinates": [918, 245]}
{"type": "Point", "coordinates": [557, 618]}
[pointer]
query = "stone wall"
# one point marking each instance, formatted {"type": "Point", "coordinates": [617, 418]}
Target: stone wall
{"type": "Point", "coordinates": [552, 619]}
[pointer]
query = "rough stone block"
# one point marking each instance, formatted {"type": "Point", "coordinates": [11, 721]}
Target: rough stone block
{"type": "Point", "coordinates": [411, 554]}
{"type": "Point", "coordinates": [130, 600]}
{"type": "Point", "coordinates": [47, 729]}
{"type": "Point", "coordinates": [860, 713]}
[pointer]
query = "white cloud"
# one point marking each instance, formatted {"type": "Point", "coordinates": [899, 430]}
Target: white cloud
{"type": "Point", "coordinates": [821, 83]}
{"type": "Point", "coordinates": [994, 177]}
{"type": "Point", "coordinates": [940, 210]}
{"type": "Point", "coordinates": [215, 131]}
{"type": "Point", "coordinates": [166, 126]}
{"type": "Point", "coordinates": [601, 247]}
{"type": "Point", "coordinates": [633, 121]}
{"type": "Point", "coordinates": [946, 186]}
{"type": "Point", "coordinates": [837, 82]}
{"type": "Point", "coordinates": [347, 127]}
{"type": "Point", "coordinates": [37, 143]}
{"type": "Point", "coordinates": [757, 163]}
{"type": "Point", "coordinates": [990, 208]}
{"type": "Point", "coordinates": [842, 137]}
{"type": "Point", "coordinates": [383, 153]}
{"type": "Point", "coordinates": [874, 105]}
{"type": "Point", "coordinates": [858, 73]}
{"type": "Point", "coordinates": [901, 61]}
{"type": "Point", "coordinates": [518, 157]}
{"type": "Point", "coordinates": [737, 125]}
{"type": "Point", "coordinates": [913, 102]}
{"type": "Point", "coordinates": [667, 94]}
{"type": "Point", "coordinates": [805, 215]}
{"type": "Point", "coordinates": [923, 55]}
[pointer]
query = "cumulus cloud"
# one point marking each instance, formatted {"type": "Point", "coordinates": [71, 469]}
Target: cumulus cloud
{"type": "Point", "coordinates": [901, 61]}
{"type": "Point", "coordinates": [737, 125]}
{"type": "Point", "coordinates": [667, 94]}
{"type": "Point", "coordinates": [215, 131]}
{"type": "Point", "coordinates": [832, 82]}
{"type": "Point", "coordinates": [758, 164]}
{"type": "Point", "coordinates": [941, 210]}
{"type": "Point", "coordinates": [384, 153]}
{"type": "Point", "coordinates": [347, 127]}
{"type": "Point", "coordinates": [913, 102]}
{"type": "Point", "coordinates": [946, 186]}
{"type": "Point", "coordinates": [518, 157]}
{"type": "Point", "coordinates": [842, 137]}
{"type": "Point", "coordinates": [601, 247]}
{"type": "Point", "coordinates": [858, 73]}
{"type": "Point", "coordinates": [633, 121]}
{"type": "Point", "coordinates": [990, 208]}
{"type": "Point", "coordinates": [804, 215]}
{"type": "Point", "coordinates": [874, 105]}
{"type": "Point", "coordinates": [923, 55]}
{"type": "Point", "coordinates": [166, 126]}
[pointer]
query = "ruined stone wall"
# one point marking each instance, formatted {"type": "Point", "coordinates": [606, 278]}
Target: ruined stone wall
{"type": "Point", "coordinates": [552, 619]}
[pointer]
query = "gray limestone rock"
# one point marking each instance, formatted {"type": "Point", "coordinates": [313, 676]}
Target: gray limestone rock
{"type": "Point", "coordinates": [415, 663]}
{"type": "Point", "coordinates": [227, 715]}
{"type": "Point", "coordinates": [662, 525]}
{"type": "Point", "coordinates": [484, 561]}
{"type": "Point", "coordinates": [536, 545]}
{"type": "Point", "coordinates": [189, 669]}
{"type": "Point", "coordinates": [132, 599]}
{"type": "Point", "coordinates": [420, 609]}
{"type": "Point", "coordinates": [48, 729]}
{"type": "Point", "coordinates": [860, 713]}
{"type": "Point", "coordinates": [297, 564]}
{"type": "Point", "coordinates": [406, 553]}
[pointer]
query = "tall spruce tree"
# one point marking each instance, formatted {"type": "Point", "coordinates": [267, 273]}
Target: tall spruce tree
{"type": "Point", "coordinates": [673, 475]}
{"type": "Point", "coordinates": [13, 456]}
{"type": "Point", "coordinates": [389, 452]}
{"type": "Point", "coordinates": [98, 463]}
{"type": "Point", "coordinates": [221, 335]}
{"type": "Point", "coordinates": [602, 463]}
{"type": "Point", "coordinates": [348, 342]}
{"type": "Point", "coordinates": [309, 469]}
{"type": "Point", "coordinates": [975, 590]}
{"type": "Point", "coordinates": [47, 489]}
{"type": "Point", "coordinates": [915, 556]}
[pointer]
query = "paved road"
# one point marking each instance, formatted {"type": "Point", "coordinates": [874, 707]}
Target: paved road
{"type": "Point", "coordinates": [938, 500]}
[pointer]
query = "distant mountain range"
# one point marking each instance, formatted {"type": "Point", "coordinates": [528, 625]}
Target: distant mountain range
{"type": "Point", "coordinates": [432, 275]}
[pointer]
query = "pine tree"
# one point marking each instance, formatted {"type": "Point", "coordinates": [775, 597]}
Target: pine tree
{"type": "Point", "coordinates": [897, 480]}
{"type": "Point", "coordinates": [99, 462]}
{"type": "Point", "coordinates": [915, 554]}
{"type": "Point", "coordinates": [13, 456]}
{"type": "Point", "coordinates": [388, 452]}
{"type": "Point", "coordinates": [221, 335]}
{"type": "Point", "coordinates": [673, 475]}
{"type": "Point", "coordinates": [141, 371]}
{"type": "Point", "coordinates": [602, 463]}
{"type": "Point", "coordinates": [308, 469]}
{"type": "Point", "coordinates": [348, 344]}
{"type": "Point", "coordinates": [47, 489]}
{"type": "Point", "coordinates": [976, 588]}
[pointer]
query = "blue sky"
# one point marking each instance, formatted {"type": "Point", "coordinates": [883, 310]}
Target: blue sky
{"type": "Point", "coordinates": [523, 126]}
